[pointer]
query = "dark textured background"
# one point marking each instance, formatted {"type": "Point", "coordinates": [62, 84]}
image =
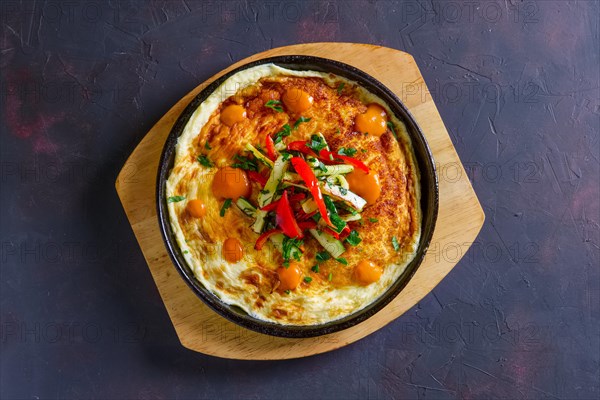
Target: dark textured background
{"type": "Point", "coordinates": [517, 85]}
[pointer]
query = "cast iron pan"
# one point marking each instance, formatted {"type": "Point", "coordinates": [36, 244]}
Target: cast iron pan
{"type": "Point", "coordinates": [429, 199]}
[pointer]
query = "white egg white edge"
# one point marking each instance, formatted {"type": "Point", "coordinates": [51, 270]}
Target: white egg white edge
{"type": "Point", "coordinates": [344, 301]}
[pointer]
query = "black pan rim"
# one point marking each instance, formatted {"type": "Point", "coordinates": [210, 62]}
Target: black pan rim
{"type": "Point", "coordinates": [429, 200]}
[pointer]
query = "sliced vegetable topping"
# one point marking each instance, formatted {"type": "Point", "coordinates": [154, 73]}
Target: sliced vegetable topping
{"type": "Point", "coordinates": [270, 146]}
{"type": "Point", "coordinates": [285, 218]}
{"type": "Point", "coordinates": [308, 176]}
{"type": "Point", "coordinates": [304, 186]}
{"type": "Point", "coordinates": [274, 105]}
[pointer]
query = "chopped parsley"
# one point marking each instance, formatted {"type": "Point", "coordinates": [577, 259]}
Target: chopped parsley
{"type": "Point", "coordinates": [288, 291]}
{"type": "Point", "coordinates": [299, 121]}
{"type": "Point", "coordinates": [340, 88]}
{"type": "Point", "coordinates": [288, 245]}
{"type": "Point", "coordinates": [346, 207]}
{"type": "Point", "coordinates": [286, 156]}
{"type": "Point", "coordinates": [338, 222]}
{"type": "Point", "coordinates": [329, 204]}
{"type": "Point", "coordinates": [353, 238]}
{"type": "Point", "coordinates": [284, 132]}
{"type": "Point", "coordinates": [342, 260]}
{"type": "Point", "coordinates": [207, 146]}
{"type": "Point", "coordinates": [323, 256]}
{"type": "Point", "coordinates": [274, 105]}
{"type": "Point", "coordinates": [321, 166]}
{"type": "Point", "coordinates": [330, 276]}
{"type": "Point", "coordinates": [316, 143]}
{"type": "Point", "coordinates": [391, 126]}
{"type": "Point", "coordinates": [315, 268]}
{"type": "Point", "coordinates": [246, 163]}
{"type": "Point", "coordinates": [373, 220]}
{"type": "Point", "coordinates": [307, 279]}
{"type": "Point", "coordinates": [349, 151]}
{"type": "Point", "coordinates": [204, 160]}
{"type": "Point", "coordinates": [395, 243]}
{"type": "Point", "coordinates": [343, 190]}
{"type": "Point", "coordinates": [175, 199]}
{"type": "Point", "coordinates": [225, 206]}
{"type": "Point", "coordinates": [185, 252]}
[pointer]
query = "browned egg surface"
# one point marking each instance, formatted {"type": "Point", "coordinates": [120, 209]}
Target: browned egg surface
{"type": "Point", "coordinates": [344, 121]}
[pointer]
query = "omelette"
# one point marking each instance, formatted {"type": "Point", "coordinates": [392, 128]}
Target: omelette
{"type": "Point", "coordinates": [295, 195]}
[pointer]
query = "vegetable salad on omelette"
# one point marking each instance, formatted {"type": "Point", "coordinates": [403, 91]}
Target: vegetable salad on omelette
{"type": "Point", "coordinates": [295, 195]}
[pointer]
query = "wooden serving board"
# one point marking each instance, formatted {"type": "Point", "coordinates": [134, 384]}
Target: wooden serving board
{"type": "Point", "coordinates": [201, 329]}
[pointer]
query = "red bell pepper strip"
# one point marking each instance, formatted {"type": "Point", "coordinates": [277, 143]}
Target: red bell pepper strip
{"type": "Point", "coordinates": [262, 239]}
{"type": "Point", "coordinates": [330, 155]}
{"type": "Point", "coordinates": [345, 232]}
{"type": "Point", "coordinates": [331, 232]}
{"type": "Point", "coordinates": [271, 206]}
{"type": "Point", "coordinates": [255, 176]}
{"type": "Point", "coordinates": [297, 197]}
{"type": "Point", "coordinates": [270, 145]}
{"type": "Point", "coordinates": [301, 147]}
{"type": "Point", "coordinates": [293, 198]}
{"type": "Point", "coordinates": [304, 225]}
{"type": "Point", "coordinates": [285, 218]}
{"type": "Point", "coordinates": [308, 176]}
{"type": "Point", "coordinates": [308, 216]}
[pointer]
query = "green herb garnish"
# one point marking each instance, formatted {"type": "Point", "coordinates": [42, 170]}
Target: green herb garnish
{"type": "Point", "coordinates": [307, 279]}
{"type": "Point", "coordinates": [246, 163]}
{"type": "Point", "coordinates": [207, 146]}
{"type": "Point", "coordinates": [395, 243]}
{"type": "Point", "coordinates": [323, 256]}
{"type": "Point", "coordinates": [288, 291]}
{"type": "Point", "coordinates": [338, 222]}
{"type": "Point", "coordinates": [225, 206]}
{"type": "Point", "coordinates": [350, 151]}
{"type": "Point", "coordinates": [373, 220]}
{"type": "Point", "coordinates": [340, 88]}
{"type": "Point", "coordinates": [299, 121]}
{"type": "Point", "coordinates": [343, 191]}
{"type": "Point", "coordinates": [175, 199]}
{"type": "Point", "coordinates": [353, 238]}
{"type": "Point", "coordinates": [285, 131]}
{"type": "Point", "coordinates": [342, 260]}
{"type": "Point", "coordinates": [288, 245]}
{"type": "Point", "coordinates": [315, 268]}
{"type": "Point", "coordinates": [316, 143]}
{"type": "Point", "coordinates": [329, 204]}
{"type": "Point", "coordinates": [204, 160]}
{"type": "Point", "coordinates": [321, 166]}
{"type": "Point", "coordinates": [275, 105]}
{"type": "Point", "coordinates": [391, 126]}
